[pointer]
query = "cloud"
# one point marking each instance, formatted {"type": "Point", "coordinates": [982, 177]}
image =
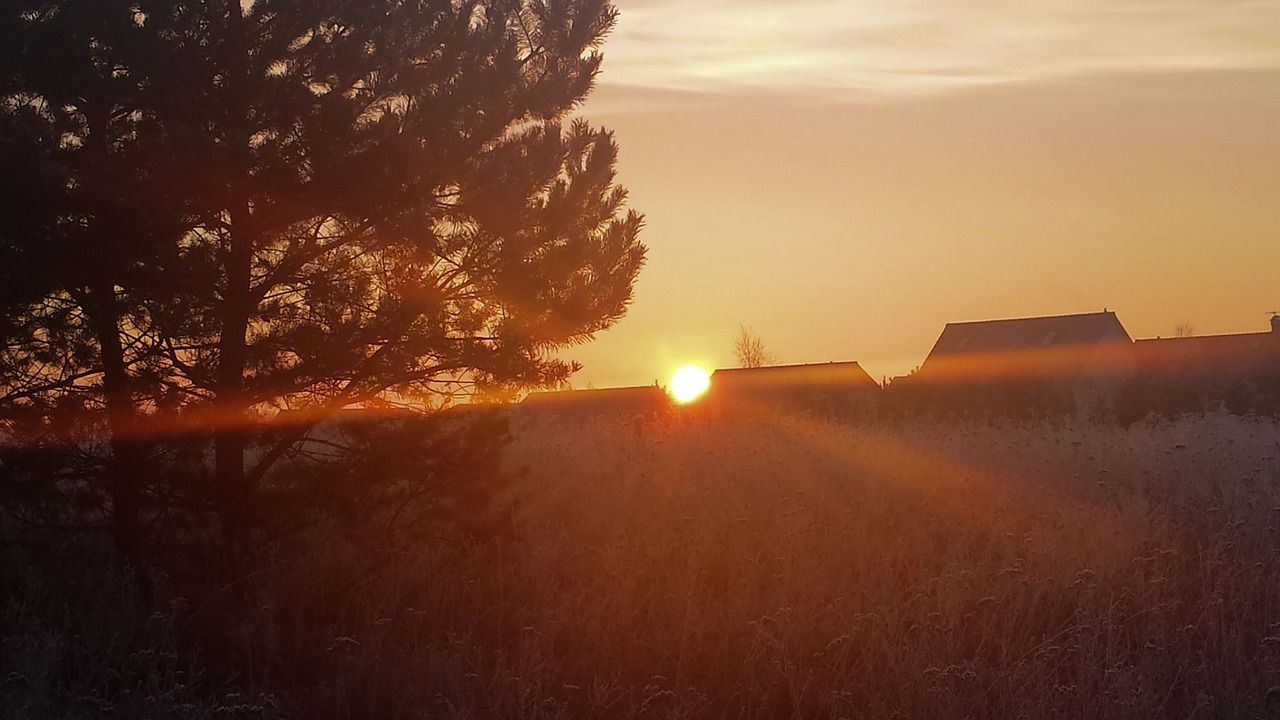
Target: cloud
{"type": "Point", "coordinates": [869, 48]}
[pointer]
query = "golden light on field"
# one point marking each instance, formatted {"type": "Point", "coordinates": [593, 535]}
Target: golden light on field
{"type": "Point", "coordinates": [688, 383]}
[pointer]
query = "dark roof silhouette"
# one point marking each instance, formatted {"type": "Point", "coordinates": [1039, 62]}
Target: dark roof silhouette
{"type": "Point", "coordinates": [1054, 346]}
{"type": "Point", "coordinates": [1206, 352]}
{"type": "Point", "coordinates": [807, 374]}
{"type": "Point", "coordinates": [1026, 333]}
{"type": "Point", "coordinates": [638, 398]}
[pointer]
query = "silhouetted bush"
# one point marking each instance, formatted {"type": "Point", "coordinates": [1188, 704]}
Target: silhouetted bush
{"type": "Point", "coordinates": [1014, 399]}
{"type": "Point", "coordinates": [1250, 390]}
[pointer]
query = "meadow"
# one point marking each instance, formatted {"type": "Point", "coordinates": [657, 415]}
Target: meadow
{"type": "Point", "coordinates": [690, 568]}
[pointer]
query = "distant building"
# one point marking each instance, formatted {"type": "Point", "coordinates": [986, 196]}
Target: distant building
{"type": "Point", "coordinates": [833, 389]}
{"type": "Point", "coordinates": [644, 400]}
{"type": "Point", "coordinates": [1199, 354]}
{"type": "Point", "coordinates": [1238, 372]}
{"type": "Point", "coordinates": [1061, 363]}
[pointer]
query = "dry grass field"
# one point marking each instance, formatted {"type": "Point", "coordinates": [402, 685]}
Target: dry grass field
{"type": "Point", "coordinates": [690, 569]}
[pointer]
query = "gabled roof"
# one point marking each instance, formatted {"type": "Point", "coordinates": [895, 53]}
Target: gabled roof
{"type": "Point", "coordinates": [985, 336]}
{"type": "Point", "coordinates": [830, 374]}
{"type": "Point", "coordinates": [1056, 346]}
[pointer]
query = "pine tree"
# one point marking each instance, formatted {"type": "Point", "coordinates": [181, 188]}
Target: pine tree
{"type": "Point", "coordinates": [342, 202]}
{"type": "Point", "coordinates": [85, 212]}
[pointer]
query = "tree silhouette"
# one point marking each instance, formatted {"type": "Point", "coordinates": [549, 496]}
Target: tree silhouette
{"type": "Point", "coordinates": [309, 206]}
{"type": "Point", "coordinates": [83, 215]}
{"type": "Point", "coordinates": [750, 351]}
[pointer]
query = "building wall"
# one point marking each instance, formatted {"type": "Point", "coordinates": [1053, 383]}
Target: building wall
{"type": "Point", "coordinates": [841, 391]}
{"type": "Point", "coordinates": [1109, 365]}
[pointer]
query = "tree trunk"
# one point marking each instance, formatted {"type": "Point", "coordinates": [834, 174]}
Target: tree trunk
{"type": "Point", "coordinates": [229, 406]}
{"type": "Point", "coordinates": [127, 464]}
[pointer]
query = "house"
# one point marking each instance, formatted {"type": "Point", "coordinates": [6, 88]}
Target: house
{"type": "Point", "coordinates": [1199, 354]}
{"type": "Point", "coordinates": [1239, 372]}
{"type": "Point", "coordinates": [1050, 364]}
{"type": "Point", "coordinates": [833, 389]}
{"type": "Point", "coordinates": [644, 400]}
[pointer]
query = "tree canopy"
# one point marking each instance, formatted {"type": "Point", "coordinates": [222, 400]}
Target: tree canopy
{"type": "Point", "coordinates": [230, 209]}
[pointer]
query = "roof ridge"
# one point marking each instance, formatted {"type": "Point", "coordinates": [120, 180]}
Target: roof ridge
{"type": "Point", "coordinates": [829, 363]}
{"type": "Point", "coordinates": [1034, 317]}
{"type": "Point", "coordinates": [1264, 333]}
{"type": "Point", "coordinates": [594, 389]}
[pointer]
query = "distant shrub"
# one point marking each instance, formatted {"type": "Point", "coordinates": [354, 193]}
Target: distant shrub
{"type": "Point", "coordinates": [1253, 390]}
{"type": "Point", "coordinates": [1021, 400]}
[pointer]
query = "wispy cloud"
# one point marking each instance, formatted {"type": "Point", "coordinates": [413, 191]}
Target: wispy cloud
{"type": "Point", "coordinates": [908, 47]}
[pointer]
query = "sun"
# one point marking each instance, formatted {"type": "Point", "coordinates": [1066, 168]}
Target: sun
{"type": "Point", "coordinates": [688, 383]}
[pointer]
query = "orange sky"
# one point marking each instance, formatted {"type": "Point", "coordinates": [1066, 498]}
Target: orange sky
{"type": "Point", "coordinates": [846, 176]}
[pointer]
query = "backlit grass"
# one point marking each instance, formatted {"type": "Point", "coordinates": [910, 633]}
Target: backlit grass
{"type": "Point", "coordinates": [749, 570]}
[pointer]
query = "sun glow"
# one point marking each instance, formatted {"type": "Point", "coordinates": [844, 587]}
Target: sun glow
{"type": "Point", "coordinates": [688, 383]}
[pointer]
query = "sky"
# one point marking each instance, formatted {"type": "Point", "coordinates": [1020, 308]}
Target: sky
{"type": "Point", "coordinates": [847, 176]}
